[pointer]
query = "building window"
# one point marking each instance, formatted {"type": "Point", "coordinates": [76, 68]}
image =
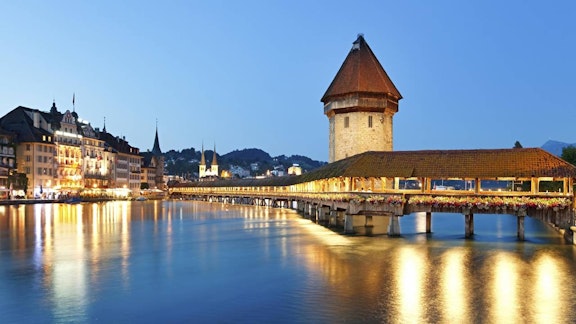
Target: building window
{"type": "Point", "coordinates": [346, 122]}
{"type": "Point", "coordinates": [39, 170]}
{"type": "Point", "coordinates": [28, 158]}
{"type": "Point", "coordinates": [370, 121]}
{"type": "Point", "coordinates": [27, 147]}
{"type": "Point", "coordinates": [27, 170]}
{"type": "Point", "coordinates": [39, 158]}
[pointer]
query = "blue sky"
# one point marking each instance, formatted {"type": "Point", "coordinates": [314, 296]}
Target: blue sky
{"type": "Point", "coordinates": [243, 74]}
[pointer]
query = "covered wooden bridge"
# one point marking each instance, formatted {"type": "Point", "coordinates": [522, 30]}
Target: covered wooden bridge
{"type": "Point", "coordinates": [371, 189]}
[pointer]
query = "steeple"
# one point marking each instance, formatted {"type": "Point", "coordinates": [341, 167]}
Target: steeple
{"type": "Point", "coordinates": [104, 129]}
{"type": "Point", "coordinates": [214, 162]}
{"type": "Point", "coordinates": [156, 149]}
{"type": "Point", "coordinates": [202, 158]}
{"type": "Point", "coordinates": [202, 165]}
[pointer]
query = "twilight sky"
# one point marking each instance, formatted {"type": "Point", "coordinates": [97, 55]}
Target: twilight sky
{"type": "Point", "coordinates": [244, 74]}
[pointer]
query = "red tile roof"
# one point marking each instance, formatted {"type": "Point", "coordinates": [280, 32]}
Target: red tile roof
{"type": "Point", "coordinates": [438, 164]}
{"type": "Point", "coordinates": [361, 73]}
{"type": "Point", "coordinates": [480, 163]}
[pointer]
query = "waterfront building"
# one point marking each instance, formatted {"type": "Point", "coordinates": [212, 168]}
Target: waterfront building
{"type": "Point", "coordinates": [55, 153]}
{"type": "Point", "coordinates": [205, 172]}
{"type": "Point", "coordinates": [360, 104]}
{"type": "Point", "coordinates": [153, 166]}
{"type": "Point", "coordinates": [35, 147]}
{"type": "Point", "coordinates": [68, 158]}
{"type": "Point", "coordinates": [98, 159]}
{"type": "Point", "coordinates": [7, 163]}
{"type": "Point", "coordinates": [127, 162]}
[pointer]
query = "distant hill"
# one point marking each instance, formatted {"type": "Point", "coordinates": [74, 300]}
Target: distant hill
{"type": "Point", "coordinates": [555, 147]}
{"type": "Point", "coordinates": [186, 162]}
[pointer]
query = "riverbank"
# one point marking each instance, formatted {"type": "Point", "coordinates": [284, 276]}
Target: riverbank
{"type": "Point", "coordinates": [63, 201]}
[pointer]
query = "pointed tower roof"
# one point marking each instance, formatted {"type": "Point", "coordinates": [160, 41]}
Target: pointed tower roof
{"type": "Point", "coordinates": [214, 161]}
{"type": "Point", "coordinates": [361, 72]}
{"type": "Point", "coordinates": [202, 158]}
{"type": "Point", "coordinates": [156, 149]}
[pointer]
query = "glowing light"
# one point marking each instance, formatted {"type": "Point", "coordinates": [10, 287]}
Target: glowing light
{"type": "Point", "coordinates": [547, 286]}
{"type": "Point", "coordinates": [504, 289]}
{"type": "Point", "coordinates": [410, 280]}
{"type": "Point", "coordinates": [455, 293]}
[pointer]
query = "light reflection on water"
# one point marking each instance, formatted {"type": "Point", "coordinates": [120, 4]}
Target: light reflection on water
{"type": "Point", "coordinates": [189, 261]}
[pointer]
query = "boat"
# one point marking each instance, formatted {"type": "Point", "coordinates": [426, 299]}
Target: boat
{"type": "Point", "coordinates": [141, 198]}
{"type": "Point", "coordinates": [73, 200]}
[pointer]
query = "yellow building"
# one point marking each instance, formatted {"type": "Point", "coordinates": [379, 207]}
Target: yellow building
{"type": "Point", "coordinates": [69, 174]}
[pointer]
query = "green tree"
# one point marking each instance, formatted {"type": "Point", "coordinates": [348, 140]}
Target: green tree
{"type": "Point", "coordinates": [569, 154]}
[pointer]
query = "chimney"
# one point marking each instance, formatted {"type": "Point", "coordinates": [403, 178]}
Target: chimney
{"type": "Point", "coordinates": [36, 119]}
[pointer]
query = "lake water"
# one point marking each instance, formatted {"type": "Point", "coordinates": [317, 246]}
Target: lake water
{"type": "Point", "coordinates": [195, 262]}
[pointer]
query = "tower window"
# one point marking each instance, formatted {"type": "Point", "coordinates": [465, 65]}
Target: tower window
{"type": "Point", "coordinates": [346, 122]}
{"type": "Point", "coordinates": [370, 121]}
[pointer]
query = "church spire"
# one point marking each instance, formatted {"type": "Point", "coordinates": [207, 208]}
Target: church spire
{"type": "Point", "coordinates": [156, 149]}
{"type": "Point", "coordinates": [202, 158]}
{"type": "Point", "coordinates": [214, 162]}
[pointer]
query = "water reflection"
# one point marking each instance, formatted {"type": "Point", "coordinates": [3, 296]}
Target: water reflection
{"type": "Point", "coordinates": [411, 278]}
{"type": "Point", "coordinates": [164, 261]}
{"type": "Point", "coordinates": [454, 284]}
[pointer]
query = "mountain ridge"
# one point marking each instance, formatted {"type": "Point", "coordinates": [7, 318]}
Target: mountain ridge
{"type": "Point", "coordinates": [254, 160]}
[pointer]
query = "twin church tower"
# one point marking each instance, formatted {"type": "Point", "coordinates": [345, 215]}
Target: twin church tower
{"type": "Point", "coordinates": [360, 104]}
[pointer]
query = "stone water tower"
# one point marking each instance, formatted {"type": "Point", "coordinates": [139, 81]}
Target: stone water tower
{"type": "Point", "coordinates": [360, 104]}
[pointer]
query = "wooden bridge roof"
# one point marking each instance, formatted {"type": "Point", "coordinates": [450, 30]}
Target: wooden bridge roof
{"type": "Point", "coordinates": [480, 163]}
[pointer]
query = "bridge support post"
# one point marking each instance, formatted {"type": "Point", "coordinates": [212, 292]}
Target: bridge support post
{"type": "Point", "coordinates": [520, 228]}
{"type": "Point", "coordinates": [469, 220]}
{"type": "Point", "coordinates": [324, 215]}
{"type": "Point", "coordinates": [333, 221]}
{"type": "Point", "coordinates": [313, 212]}
{"type": "Point", "coordinates": [428, 222]}
{"type": "Point", "coordinates": [349, 224]}
{"type": "Point", "coordinates": [394, 226]}
{"type": "Point", "coordinates": [306, 209]}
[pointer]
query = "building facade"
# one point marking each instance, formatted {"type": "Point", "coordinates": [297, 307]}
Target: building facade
{"type": "Point", "coordinates": [60, 154]}
{"type": "Point", "coordinates": [205, 172]}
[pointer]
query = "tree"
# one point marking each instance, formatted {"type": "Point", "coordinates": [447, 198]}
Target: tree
{"type": "Point", "coordinates": [517, 145]}
{"type": "Point", "coordinates": [569, 154]}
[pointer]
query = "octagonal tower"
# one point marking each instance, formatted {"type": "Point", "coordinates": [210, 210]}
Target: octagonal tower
{"type": "Point", "coordinates": [360, 104]}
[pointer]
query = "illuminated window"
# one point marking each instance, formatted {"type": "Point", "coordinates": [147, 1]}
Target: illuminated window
{"type": "Point", "coordinates": [346, 122]}
{"type": "Point", "coordinates": [370, 121]}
